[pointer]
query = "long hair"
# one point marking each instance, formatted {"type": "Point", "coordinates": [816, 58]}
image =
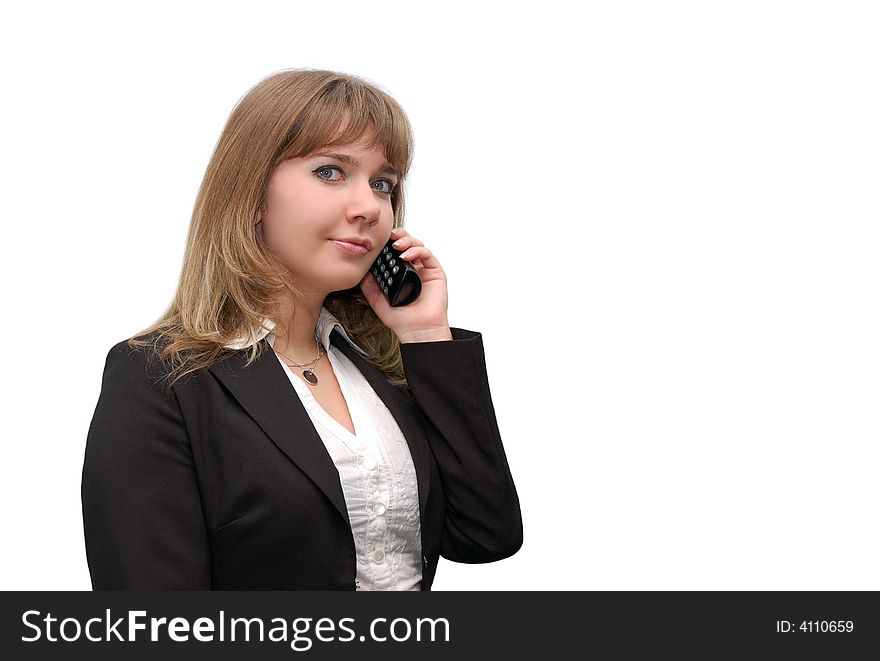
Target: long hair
{"type": "Point", "coordinates": [230, 280]}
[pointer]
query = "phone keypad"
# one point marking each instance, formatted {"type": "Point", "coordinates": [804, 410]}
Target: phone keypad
{"type": "Point", "coordinates": [391, 274]}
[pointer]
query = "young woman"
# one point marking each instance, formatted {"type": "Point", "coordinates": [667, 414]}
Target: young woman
{"type": "Point", "coordinates": [281, 426]}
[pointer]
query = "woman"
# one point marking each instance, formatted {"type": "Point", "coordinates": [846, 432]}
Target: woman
{"type": "Point", "coordinates": [282, 426]}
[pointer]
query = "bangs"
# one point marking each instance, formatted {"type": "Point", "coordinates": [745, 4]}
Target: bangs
{"type": "Point", "coordinates": [345, 112]}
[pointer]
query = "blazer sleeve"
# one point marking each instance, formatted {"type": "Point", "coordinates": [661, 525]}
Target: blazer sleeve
{"type": "Point", "coordinates": [449, 382]}
{"type": "Point", "coordinates": [142, 514]}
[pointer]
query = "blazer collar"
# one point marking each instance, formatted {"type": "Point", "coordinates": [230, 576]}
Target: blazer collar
{"type": "Point", "coordinates": [265, 392]}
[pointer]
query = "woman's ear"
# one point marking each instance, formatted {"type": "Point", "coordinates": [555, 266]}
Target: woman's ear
{"type": "Point", "coordinates": [260, 213]}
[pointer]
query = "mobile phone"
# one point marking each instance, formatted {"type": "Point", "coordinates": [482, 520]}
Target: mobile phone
{"type": "Point", "coordinates": [396, 277]}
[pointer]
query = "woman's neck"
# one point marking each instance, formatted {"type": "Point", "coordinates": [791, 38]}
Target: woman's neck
{"type": "Point", "coordinates": [295, 324]}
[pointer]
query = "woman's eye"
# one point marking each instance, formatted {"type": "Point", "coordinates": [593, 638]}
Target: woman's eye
{"type": "Point", "coordinates": [327, 168]}
{"type": "Point", "coordinates": [390, 184]}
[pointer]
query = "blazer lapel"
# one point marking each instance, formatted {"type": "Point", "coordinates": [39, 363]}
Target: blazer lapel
{"type": "Point", "coordinates": [265, 392]}
{"type": "Point", "coordinates": [403, 408]}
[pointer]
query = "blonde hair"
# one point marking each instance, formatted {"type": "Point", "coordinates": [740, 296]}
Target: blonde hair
{"type": "Point", "coordinates": [230, 280]}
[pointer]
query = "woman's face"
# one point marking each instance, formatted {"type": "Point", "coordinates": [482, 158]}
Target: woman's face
{"type": "Point", "coordinates": [315, 201]}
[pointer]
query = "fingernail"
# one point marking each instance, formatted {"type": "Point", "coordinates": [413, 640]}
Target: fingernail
{"type": "Point", "coordinates": [397, 243]}
{"type": "Point", "coordinates": [404, 254]}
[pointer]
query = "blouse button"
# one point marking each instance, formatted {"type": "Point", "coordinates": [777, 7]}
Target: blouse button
{"type": "Point", "coordinates": [369, 463]}
{"type": "Point", "coordinates": [379, 555]}
{"type": "Point", "coordinates": [379, 508]}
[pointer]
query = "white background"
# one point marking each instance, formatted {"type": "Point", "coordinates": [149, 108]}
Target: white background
{"type": "Point", "coordinates": [663, 217]}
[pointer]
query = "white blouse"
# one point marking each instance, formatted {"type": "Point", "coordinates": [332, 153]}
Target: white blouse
{"type": "Point", "coordinates": [375, 469]}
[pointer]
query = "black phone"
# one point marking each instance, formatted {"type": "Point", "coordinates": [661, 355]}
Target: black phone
{"type": "Point", "coordinates": [396, 277]}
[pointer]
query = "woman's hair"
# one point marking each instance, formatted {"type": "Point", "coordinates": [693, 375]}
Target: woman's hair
{"type": "Point", "coordinates": [229, 280]}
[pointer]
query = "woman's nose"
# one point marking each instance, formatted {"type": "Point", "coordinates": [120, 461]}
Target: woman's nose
{"type": "Point", "coordinates": [364, 202]}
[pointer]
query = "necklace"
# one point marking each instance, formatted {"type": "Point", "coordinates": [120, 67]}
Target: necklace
{"type": "Point", "coordinates": [308, 375]}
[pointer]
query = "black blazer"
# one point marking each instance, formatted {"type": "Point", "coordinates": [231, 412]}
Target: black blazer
{"type": "Point", "coordinates": [226, 484]}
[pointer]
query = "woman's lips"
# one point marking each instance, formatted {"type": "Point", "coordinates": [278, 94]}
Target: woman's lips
{"type": "Point", "coordinates": [351, 248]}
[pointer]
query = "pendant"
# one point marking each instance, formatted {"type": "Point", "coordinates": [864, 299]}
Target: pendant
{"type": "Point", "coordinates": [309, 376]}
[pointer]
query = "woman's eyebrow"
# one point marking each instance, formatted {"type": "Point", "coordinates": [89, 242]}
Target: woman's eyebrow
{"type": "Point", "coordinates": [345, 158]}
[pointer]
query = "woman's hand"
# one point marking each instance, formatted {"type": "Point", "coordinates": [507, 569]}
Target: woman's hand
{"type": "Point", "coordinates": [423, 320]}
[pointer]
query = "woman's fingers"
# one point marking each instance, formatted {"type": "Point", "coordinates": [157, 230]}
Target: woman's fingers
{"type": "Point", "coordinates": [423, 255]}
{"type": "Point", "coordinates": [413, 250]}
{"type": "Point", "coordinates": [404, 240]}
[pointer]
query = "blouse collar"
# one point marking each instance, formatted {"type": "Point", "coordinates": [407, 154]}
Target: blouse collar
{"type": "Point", "coordinates": [326, 323]}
